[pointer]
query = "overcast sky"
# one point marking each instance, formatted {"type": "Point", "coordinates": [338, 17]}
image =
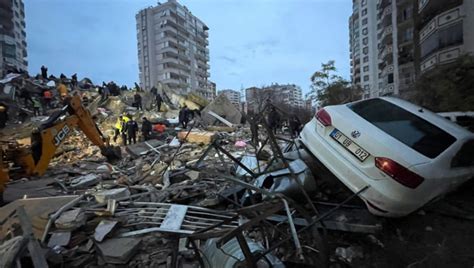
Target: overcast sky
{"type": "Point", "coordinates": [251, 42]}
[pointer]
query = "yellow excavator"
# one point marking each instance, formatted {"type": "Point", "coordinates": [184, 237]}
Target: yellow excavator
{"type": "Point", "coordinates": [33, 160]}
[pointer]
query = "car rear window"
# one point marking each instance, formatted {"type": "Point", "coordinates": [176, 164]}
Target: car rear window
{"type": "Point", "coordinates": [417, 133]}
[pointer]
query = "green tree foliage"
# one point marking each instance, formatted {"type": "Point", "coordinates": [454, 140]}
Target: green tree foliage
{"type": "Point", "coordinates": [449, 87]}
{"type": "Point", "coordinates": [329, 88]}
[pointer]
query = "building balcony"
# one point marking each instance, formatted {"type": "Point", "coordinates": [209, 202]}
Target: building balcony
{"type": "Point", "coordinates": [440, 57]}
{"type": "Point", "coordinates": [446, 18]}
{"type": "Point", "coordinates": [384, 3]}
{"type": "Point", "coordinates": [428, 9]}
{"type": "Point", "coordinates": [386, 70]}
{"type": "Point", "coordinates": [386, 51]}
{"type": "Point", "coordinates": [386, 36]}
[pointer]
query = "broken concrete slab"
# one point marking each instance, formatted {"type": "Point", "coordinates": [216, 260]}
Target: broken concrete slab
{"type": "Point", "coordinates": [37, 209]}
{"type": "Point", "coordinates": [199, 137]}
{"type": "Point", "coordinates": [118, 250]}
{"type": "Point", "coordinates": [104, 228]}
{"type": "Point", "coordinates": [103, 196]}
{"type": "Point", "coordinates": [85, 181]}
{"type": "Point", "coordinates": [222, 107]}
{"type": "Point", "coordinates": [71, 219]}
{"type": "Point", "coordinates": [143, 148]}
{"type": "Point", "coordinates": [59, 239]}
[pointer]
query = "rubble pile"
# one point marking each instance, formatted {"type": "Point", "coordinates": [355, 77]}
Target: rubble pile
{"type": "Point", "coordinates": [214, 194]}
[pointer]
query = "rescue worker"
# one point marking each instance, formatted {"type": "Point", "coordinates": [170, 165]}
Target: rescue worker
{"type": "Point", "coordinates": [184, 116]}
{"type": "Point", "coordinates": [47, 98]}
{"type": "Point", "coordinates": [295, 126]}
{"type": "Point", "coordinates": [138, 101]}
{"type": "Point", "coordinates": [131, 127]}
{"type": "Point", "coordinates": [74, 80]}
{"type": "Point", "coordinates": [125, 120]}
{"type": "Point", "coordinates": [117, 128]}
{"type": "Point", "coordinates": [158, 100]}
{"type": "Point", "coordinates": [146, 128]}
{"type": "Point", "coordinates": [3, 115]}
{"type": "Point", "coordinates": [273, 119]}
{"type": "Point", "coordinates": [44, 72]}
{"type": "Point", "coordinates": [36, 107]}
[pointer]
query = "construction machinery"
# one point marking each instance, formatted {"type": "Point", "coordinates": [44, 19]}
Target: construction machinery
{"type": "Point", "coordinates": [33, 158]}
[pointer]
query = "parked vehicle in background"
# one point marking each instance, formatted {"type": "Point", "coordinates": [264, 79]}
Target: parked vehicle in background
{"type": "Point", "coordinates": [408, 155]}
{"type": "Point", "coordinates": [464, 119]}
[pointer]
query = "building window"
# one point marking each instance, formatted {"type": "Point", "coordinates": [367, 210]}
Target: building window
{"type": "Point", "coordinates": [366, 59]}
{"type": "Point", "coordinates": [390, 78]}
{"type": "Point", "coordinates": [365, 41]}
{"type": "Point", "coordinates": [366, 87]}
{"type": "Point", "coordinates": [407, 35]}
{"type": "Point", "coordinates": [364, 2]}
{"type": "Point", "coordinates": [407, 13]}
{"type": "Point", "coordinates": [364, 21]}
{"type": "Point", "coordinates": [365, 50]}
{"type": "Point", "coordinates": [364, 11]}
{"type": "Point", "coordinates": [365, 31]}
{"type": "Point", "coordinates": [366, 68]}
{"type": "Point", "coordinates": [366, 78]}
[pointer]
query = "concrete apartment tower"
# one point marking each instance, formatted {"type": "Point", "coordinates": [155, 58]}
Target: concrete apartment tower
{"type": "Point", "coordinates": [363, 46]}
{"type": "Point", "coordinates": [172, 48]}
{"type": "Point", "coordinates": [12, 36]}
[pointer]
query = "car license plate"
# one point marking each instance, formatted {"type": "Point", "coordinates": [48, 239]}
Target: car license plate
{"type": "Point", "coordinates": [351, 146]}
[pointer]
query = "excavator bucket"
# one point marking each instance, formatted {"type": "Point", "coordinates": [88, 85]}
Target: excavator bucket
{"type": "Point", "coordinates": [112, 153]}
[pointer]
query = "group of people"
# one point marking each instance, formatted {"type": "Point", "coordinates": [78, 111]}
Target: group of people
{"type": "Point", "coordinates": [127, 128]}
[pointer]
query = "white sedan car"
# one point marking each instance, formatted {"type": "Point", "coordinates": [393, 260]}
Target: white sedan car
{"type": "Point", "coordinates": [405, 153]}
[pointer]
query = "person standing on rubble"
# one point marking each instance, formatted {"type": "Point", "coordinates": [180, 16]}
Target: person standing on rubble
{"type": "Point", "coordinates": [44, 72]}
{"type": "Point", "coordinates": [125, 119]}
{"type": "Point", "coordinates": [295, 126]}
{"type": "Point", "coordinates": [146, 128]}
{"type": "Point", "coordinates": [36, 107]}
{"type": "Point", "coordinates": [253, 129]}
{"type": "Point", "coordinates": [3, 115]}
{"type": "Point", "coordinates": [118, 128]}
{"type": "Point", "coordinates": [74, 81]}
{"type": "Point", "coordinates": [138, 101]}
{"type": "Point", "coordinates": [131, 128]}
{"type": "Point", "coordinates": [273, 119]}
{"type": "Point", "coordinates": [184, 116]}
{"type": "Point", "coordinates": [47, 98]}
{"type": "Point", "coordinates": [158, 100]}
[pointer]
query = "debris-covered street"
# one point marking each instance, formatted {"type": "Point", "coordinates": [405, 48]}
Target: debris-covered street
{"type": "Point", "coordinates": [213, 194]}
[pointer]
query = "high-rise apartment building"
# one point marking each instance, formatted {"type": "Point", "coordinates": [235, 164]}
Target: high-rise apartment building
{"type": "Point", "coordinates": [363, 46]}
{"type": "Point", "coordinates": [382, 46]}
{"type": "Point", "coordinates": [289, 95]}
{"type": "Point", "coordinates": [172, 48]}
{"type": "Point", "coordinates": [12, 36]}
{"type": "Point", "coordinates": [233, 96]}
{"type": "Point", "coordinates": [445, 31]}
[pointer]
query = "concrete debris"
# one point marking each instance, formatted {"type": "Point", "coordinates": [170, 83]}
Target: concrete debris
{"type": "Point", "coordinates": [119, 193]}
{"type": "Point", "coordinates": [59, 239]}
{"type": "Point", "coordinates": [118, 250]}
{"type": "Point", "coordinates": [85, 181]}
{"type": "Point", "coordinates": [214, 194]}
{"type": "Point", "coordinates": [223, 108]}
{"type": "Point", "coordinates": [71, 220]}
{"type": "Point", "coordinates": [103, 229]}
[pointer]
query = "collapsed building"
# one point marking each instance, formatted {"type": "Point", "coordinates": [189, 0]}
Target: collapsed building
{"type": "Point", "coordinates": [214, 194]}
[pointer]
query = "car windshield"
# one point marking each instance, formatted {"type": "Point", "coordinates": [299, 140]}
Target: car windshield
{"type": "Point", "coordinates": [404, 126]}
